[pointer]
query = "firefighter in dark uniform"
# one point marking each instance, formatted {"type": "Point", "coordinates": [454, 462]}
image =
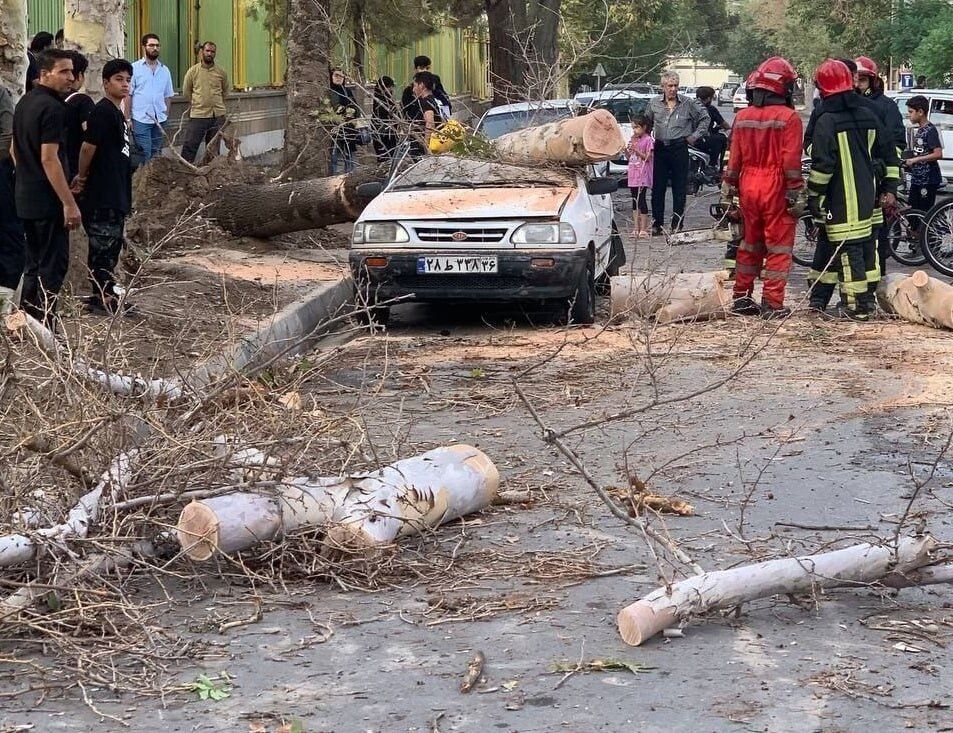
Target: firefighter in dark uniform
{"type": "Point", "coordinates": [853, 166]}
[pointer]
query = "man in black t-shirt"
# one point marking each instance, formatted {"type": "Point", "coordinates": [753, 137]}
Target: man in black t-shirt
{"type": "Point", "coordinates": [440, 96]}
{"type": "Point", "coordinates": [44, 201]}
{"type": "Point", "coordinates": [422, 113]}
{"type": "Point", "coordinates": [105, 181]}
{"type": "Point", "coordinates": [714, 143]}
{"type": "Point", "coordinates": [79, 105]}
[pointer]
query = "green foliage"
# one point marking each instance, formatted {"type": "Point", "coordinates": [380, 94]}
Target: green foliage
{"type": "Point", "coordinates": [934, 55]}
{"type": "Point", "coordinates": [208, 689]}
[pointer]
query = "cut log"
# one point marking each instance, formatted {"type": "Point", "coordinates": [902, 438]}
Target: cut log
{"type": "Point", "coordinates": [574, 141]}
{"type": "Point", "coordinates": [362, 511]}
{"type": "Point", "coordinates": [270, 209]}
{"type": "Point", "coordinates": [669, 298]}
{"type": "Point", "coordinates": [861, 564]}
{"type": "Point", "coordinates": [918, 298]}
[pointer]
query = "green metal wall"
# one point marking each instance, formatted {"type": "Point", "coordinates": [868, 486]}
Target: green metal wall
{"type": "Point", "coordinates": [44, 15]}
{"type": "Point", "coordinates": [216, 22]}
{"type": "Point", "coordinates": [168, 19]}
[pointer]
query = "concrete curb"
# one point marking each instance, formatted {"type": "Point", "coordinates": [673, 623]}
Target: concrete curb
{"type": "Point", "coordinates": [303, 321]}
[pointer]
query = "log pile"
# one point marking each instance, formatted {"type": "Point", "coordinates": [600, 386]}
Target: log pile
{"type": "Point", "coordinates": [670, 298]}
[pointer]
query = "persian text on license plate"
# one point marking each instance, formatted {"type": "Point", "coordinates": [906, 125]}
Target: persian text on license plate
{"type": "Point", "coordinates": [457, 265]}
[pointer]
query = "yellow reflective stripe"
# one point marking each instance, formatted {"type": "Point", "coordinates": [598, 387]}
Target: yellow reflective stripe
{"type": "Point", "coordinates": [848, 288]}
{"type": "Point", "coordinates": [828, 278]}
{"type": "Point", "coordinates": [871, 138]}
{"type": "Point", "coordinates": [893, 171]}
{"type": "Point", "coordinates": [845, 232]}
{"type": "Point", "coordinates": [818, 177]}
{"type": "Point", "coordinates": [847, 172]}
{"type": "Point", "coordinates": [877, 217]}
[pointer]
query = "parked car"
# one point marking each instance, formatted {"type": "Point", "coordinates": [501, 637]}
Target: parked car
{"type": "Point", "coordinates": [624, 104]}
{"type": "Point", "coordinates": [725, 94]}
{"type": "Point", "coordinates": [459, 229]}
{"type": "Point", "coordinates": [507, 118]}
{"type": "Point", "coordinates": [739, 99]}
{"type": "Point", "coordinates": [941, 115]}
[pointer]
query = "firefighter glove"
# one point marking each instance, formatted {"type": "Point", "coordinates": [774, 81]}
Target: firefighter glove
{"type": "Point", "coordinates": [815, 206]}
{"type": "Point", "coordinates": [797, 202]}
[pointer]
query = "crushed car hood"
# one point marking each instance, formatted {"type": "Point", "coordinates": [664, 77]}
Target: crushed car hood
{"type": "Point", "coordinates": [465, 203]}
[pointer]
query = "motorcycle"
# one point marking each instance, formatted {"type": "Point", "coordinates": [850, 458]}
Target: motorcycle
{"type": "Point", "coordinates": [701, 172]}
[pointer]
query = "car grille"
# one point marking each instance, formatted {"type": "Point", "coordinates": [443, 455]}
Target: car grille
{"type": "Point", "coordinates": [459, 282]}
{"type": "Point", "coordinates": [445, 234]}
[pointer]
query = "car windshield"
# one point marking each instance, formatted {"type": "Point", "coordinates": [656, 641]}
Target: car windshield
{"type": "Point", "coordinates": [624, 109]}
{"type": "Point", "coordinates": [448, 171]}
{"type": "Point", "coordinates": [500, 124]}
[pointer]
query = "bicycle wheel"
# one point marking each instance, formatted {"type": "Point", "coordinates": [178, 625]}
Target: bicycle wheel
{"type": "Point", "coordinates": [938, 237]}
{"type": "Point", "coordinates": [904, 238]}
{"type": "Point", "coordinates": [805, 240]}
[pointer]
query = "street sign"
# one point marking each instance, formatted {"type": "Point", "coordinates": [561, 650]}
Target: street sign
{"type": "Point", "coordinates": [906, 80]}
{"type": "Point", "coordinates": [599, 72]}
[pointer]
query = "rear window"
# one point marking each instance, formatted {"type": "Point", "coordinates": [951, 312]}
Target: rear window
{"type": "Point", "coordinates": [500, 124]}
{"type": "Point", "coordinates": [624, 110]}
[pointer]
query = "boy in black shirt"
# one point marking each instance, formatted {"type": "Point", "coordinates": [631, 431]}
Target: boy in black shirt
{"type": "Point", "coordinates": [423, 113]}
{"type": "Point", "coordinates": [104, 178]}
{"type": "Point", "coordinates": [925, 177]}
{"type": "Point", "coordinates": [79, 105]}
{"type": "Point", "coordinates": [44, 201]}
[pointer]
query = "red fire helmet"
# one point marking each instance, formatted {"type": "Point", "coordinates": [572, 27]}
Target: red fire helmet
{"type": "Point", "coordinates": [833, 77]}
{"type": "Point", "coordinates": [866, 65]}
{"type": "Point", "coordinates": [776, 75]}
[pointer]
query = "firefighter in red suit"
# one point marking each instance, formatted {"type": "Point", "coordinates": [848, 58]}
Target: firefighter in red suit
{"type": "Point", "coordinates": [764, 172]}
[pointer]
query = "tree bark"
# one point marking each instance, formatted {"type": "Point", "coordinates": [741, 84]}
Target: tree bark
{"type": "Point", "coordinates": [359, 36]}
{"type": "Point", "coordinates": [858, 565]}
{"type": "Point", "coordinates": [506, 22]}
{"type": "Point", "coordinates": [918, 298]}
{"type": "Point", "coordinates": [574, 141]}
{"type": "Point", "coordinates": [306, 141]}
{"type": "Point", "coordinates": [271, 209]}
{"type": "Point", "coordinates": [543, 71]}
{"type": "Point", "coordinates": [96, 28]}
{"type": "Point", "coordinates": [670, 298]}
{"type": "Point", "coordinates": [13, 44]}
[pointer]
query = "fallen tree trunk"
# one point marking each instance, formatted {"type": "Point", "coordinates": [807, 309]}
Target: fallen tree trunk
{"type": "Point", "coordinates": [918, 298]}
{"type": "Point", "coordinates": [861, 564]}
{"type": "Point", "coordinates": [269, 209]}
{"type": "Point", "coordinates": [361, 511]}
{"type": "Point", "coordinates": [669, 298]}
{"type": "Point", "coordinates": [581, 140]}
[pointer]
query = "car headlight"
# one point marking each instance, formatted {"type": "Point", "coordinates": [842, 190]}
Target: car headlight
{"type": "Point", "coordinates": [545, 233]}
{"type": "Point", "coordinates": [383, 232]}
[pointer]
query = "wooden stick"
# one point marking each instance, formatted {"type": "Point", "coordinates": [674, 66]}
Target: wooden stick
{"type": "Point", "coordinates": [861, 564]}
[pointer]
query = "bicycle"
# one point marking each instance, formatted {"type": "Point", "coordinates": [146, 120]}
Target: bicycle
{"type": "Point", "coordinates": [938, 237]}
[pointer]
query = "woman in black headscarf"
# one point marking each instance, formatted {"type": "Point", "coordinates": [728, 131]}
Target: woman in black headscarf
{"type": "Point", "coordinates": [344, 138]}
{"type": "Point", "coordinates": [385, 119]}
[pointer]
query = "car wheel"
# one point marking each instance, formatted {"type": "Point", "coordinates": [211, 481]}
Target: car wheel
{"type": "Point", "coordinates": [582, 309]}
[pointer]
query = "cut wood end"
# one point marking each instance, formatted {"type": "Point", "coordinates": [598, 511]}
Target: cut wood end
{"type": "Point", "coordinates": [197, 531]}
{"type": "Point", "coordinates": [480, 461]}
{"type": "Point", "coordinates": [920, 278]}
{"type": "Point", "coordinates": [351, 539]}
{"type": "Point", "coordinates": [638, 622]}
{"type": "Point", "coordinates": [602, 135]}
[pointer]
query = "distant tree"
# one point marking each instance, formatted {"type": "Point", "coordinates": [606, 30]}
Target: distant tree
{"type": "Point", "coordinates": [13, 45]}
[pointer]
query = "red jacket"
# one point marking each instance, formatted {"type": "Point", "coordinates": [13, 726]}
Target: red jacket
{"type": "Point", "coordinates": [766, 141]}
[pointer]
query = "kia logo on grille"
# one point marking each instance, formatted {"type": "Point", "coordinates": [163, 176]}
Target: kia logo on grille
{"type": "Point", "coordinates": [459, 236]}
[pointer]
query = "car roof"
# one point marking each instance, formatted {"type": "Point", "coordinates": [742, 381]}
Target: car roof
{"type": "Point", "coordinates": [613, 94]}
{"type": "Point", "coordinates": [529, 106]}
{"type": "Point", "coordinates": [925, 92]}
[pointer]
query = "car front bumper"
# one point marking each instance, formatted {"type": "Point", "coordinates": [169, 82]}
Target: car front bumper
{"type": "Point", "coordinates": [519, 276]}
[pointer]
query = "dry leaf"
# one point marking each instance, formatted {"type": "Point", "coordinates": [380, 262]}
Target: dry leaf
{"type": "Point", "coordinates": [667, 504]}
{"type": "Point", "coordinates": [15, 321]}
{"type": "Point", "coordinates": [474, 672]}
{"type": "Point", "coordinates": [291, 400]}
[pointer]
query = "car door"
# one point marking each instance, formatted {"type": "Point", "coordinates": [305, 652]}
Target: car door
{"type": "Point", "coordinates": [602, 230]}
{"type": "Point", "coordinates": [941, 115]}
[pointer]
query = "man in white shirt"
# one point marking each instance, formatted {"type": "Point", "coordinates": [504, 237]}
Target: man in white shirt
{"type": "Point", "coordinates": [149, 94]}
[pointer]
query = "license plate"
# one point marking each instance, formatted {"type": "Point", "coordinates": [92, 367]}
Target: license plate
{"type": "Point", "coordinates": [457, 266]}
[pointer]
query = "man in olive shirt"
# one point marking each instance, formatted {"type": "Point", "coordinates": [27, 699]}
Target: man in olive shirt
{"type": "Point", "coordinates": [205, 86]}
{"type": "Point", "coordinates": [677, 123]}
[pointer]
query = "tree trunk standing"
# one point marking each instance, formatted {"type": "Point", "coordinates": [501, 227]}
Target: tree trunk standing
{"type": "Point", "coordinates": [13, 42]}
{"type": "Point", "coordinates": [543, 49]}
{"type": "Point", "coordinates": [359, 36]}
{"type": "Point", "coordinates": [268, 210]}
{"type": "Point", "coordinates": [96, 28]}
{"type": "Point", "coordinates": [307, 143]}
{"type": "Point", "coordinates": [506, 20]}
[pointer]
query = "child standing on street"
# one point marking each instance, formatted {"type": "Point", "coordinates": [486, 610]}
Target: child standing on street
{"type": "Point", "coordinates": [640, 173]}
{"type": "Point", "coordinates": [924, 169]}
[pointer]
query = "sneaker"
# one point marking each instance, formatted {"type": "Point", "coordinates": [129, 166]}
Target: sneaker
{"type": "Point", "coordinates": [853, 314]}
{"type": "Point", "coordinates": [744, 305]}
{"type": "Point", "coordinates": [770, 313]}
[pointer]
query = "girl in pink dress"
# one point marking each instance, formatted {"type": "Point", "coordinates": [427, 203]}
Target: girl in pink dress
{"type": "Point", "coordinates": [640, 172]}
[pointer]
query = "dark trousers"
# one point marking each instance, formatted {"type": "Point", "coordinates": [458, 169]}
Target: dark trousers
{"type": "Point", "coordinates": [197, 131]}
{"type": "Point", "coordinates": [846, 265]}
{"type": "Point", "coordinates": [671, 166]}
{"type": "Point", "coordinates": [12, 242]}
{"type": "Point", "coordinates": [104, 228]}
{"type": "Point", "coordinates": [46, 261]}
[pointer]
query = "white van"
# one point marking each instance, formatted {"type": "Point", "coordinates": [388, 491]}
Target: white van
{"type": "Point", "coordinates": [941, 115]}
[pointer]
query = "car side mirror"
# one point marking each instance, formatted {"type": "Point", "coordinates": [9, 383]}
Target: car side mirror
{"type": "Point", "coordinates": [370, 190]}
{"type": "Point", "coordinates": [601, 186]}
